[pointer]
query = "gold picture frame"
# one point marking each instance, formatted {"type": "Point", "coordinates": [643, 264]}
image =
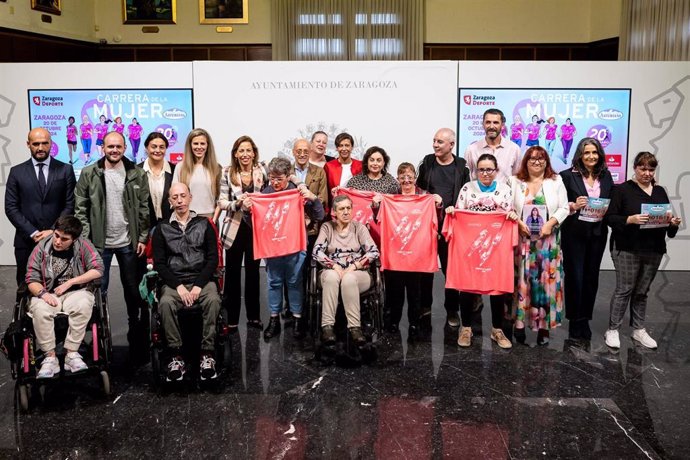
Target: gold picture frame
{"type": "Point", "coordinates": [47, 6]}
{"type": "Point", "coordinates": [149, 11]}
{"type": "Point", "coordinates": [223, 12]}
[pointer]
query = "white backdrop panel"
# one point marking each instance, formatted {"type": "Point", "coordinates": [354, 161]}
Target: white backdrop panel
{"type": "Point", "coordinates": [395, 105]}
{"type": "Point", "coordinates": [17, 79]}
{"type": "Point", "coordinates": [659, 117]}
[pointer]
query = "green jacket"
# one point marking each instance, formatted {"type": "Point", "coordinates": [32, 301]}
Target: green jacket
{"type": "Point", "coordinates": [89, 206]}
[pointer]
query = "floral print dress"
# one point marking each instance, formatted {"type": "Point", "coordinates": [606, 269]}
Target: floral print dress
{"type": "Point", "coordinates": [540, 277]}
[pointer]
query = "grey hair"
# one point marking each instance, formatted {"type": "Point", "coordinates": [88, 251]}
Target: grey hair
{"type": "Point", "coordinates": [339, 199]}
{"type": "Point", "coordinates": [280, 166]}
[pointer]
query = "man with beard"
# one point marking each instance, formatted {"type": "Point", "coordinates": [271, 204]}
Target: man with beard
{"type": "Point", "coordinates": [507, 153]}
{"type": "Point", "coordinates": [112, 204]}
{"type": "Point", "coordinates": [38, 191]}
{"type": "Point", "coordinates": [444, 174]}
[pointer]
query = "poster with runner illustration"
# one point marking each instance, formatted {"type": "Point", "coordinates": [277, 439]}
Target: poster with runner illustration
{"type": "Point", "coordinates": [556, 119]}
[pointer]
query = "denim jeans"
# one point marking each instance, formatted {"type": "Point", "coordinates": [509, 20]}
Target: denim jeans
{"type": "Point", "coordinates": [129, 270]}
{"type": "Point", "coordinates": [285, 270]}
{"type": "Point", "coordinates": [550, 146]}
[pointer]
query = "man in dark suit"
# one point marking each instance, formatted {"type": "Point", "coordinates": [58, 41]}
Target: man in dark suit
{"type": "Point", "coordinates": [38, 191]}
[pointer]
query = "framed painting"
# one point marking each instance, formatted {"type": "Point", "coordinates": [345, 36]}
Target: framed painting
{"type": "Point", "coordinates": [47, 6]}
{"type": "Point", "coordinates": [149, 11]}
{"type": "Point", "coordinates": [223, 12]}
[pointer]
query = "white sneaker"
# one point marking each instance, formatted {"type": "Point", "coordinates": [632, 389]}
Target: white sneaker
{"type": "Point", "coordinates": [643, 338]}
{"type": "Point", "coordinates": [49, 368]}
{"type": "Point", "coordinates": [74, 362]}
{"type": "Point", "coordinates": [612, 339]}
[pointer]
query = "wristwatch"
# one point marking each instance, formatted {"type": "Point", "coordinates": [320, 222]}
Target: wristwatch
{"type": "Point", "coordinates": [41, 292]}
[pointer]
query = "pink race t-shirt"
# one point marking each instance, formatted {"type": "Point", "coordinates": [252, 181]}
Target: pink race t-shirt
{"type": "Point", "coordinates": [278, 224]}
{"type": "Point", "coordinates": [86, 130]}
{"type": "Point", "coordinates": [71, 133]}
{"type": "Point", "coordinates": [101, 130]}
{"type": "Point", "coordinates": [119, 127]}
{"type": "Point", "coordinates": [134, 131]}
{"type": "Point", "coordinates": [516, 130]}
{"type": "Point", "coordinates": [533, 131]}
{"type": "Point", "coordinates": [480, 252]}
{"type": "Point", "coordinates": [551, 131]}
{"type": "Point", "coordinates": [409, 229]}
{"type": "Point", "coordinates": [567, 132]}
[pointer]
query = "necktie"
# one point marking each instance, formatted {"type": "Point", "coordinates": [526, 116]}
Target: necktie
{"type": "Point", "coordinates": [41, 179]}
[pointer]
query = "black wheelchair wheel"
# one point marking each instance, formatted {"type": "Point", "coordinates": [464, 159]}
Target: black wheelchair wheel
{"type": "Point", "coordinates": [105, 381]}
{"type": "Point", "coordinates": [156, 367]}
{"type": "Point", "coordinates": [23, 392]}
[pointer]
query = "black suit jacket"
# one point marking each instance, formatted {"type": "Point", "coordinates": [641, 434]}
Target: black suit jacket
{"type": "Point", "coordinates": [165, 205]}
{"type": "Point", "coordinates": [575, 186]}
{"type": "Point", "coordinates": [27, 210]}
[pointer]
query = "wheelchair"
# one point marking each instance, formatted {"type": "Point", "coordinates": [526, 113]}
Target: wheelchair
{"type": "Point", "coordinates": [19, 344]}
{"type": "Point", "coordinates": [190, 320]}
{"type": "Point", "coordinates": [371, 314]}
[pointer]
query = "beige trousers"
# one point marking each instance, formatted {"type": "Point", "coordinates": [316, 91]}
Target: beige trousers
{"type": "Point", "coordinates": [350, 286]}
{"type": "Point", "coordinates": [78, 305]}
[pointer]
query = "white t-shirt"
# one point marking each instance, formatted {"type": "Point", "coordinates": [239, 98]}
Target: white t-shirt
{"type": "Point", "coordinates": [346, 175]}
{"type": "Point", "coordinates": [203, 201]}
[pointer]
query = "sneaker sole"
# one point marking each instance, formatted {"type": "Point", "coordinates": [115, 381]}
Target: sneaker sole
{"type": "Point", "coordinates": [504, 346]}
{"type": "Point", "coordinates": [643, 345]}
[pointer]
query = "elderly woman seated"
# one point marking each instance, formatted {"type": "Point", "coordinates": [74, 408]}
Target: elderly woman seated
{"type": "Point", "coordinates": [345, 249]}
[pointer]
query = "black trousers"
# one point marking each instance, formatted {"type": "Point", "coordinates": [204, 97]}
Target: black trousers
{"type": "Point", "coordinates": [242, 248]}
{"type": "Point", "coordinates": [397, 285]}
{"type": "Point", "coordinates": [467, 303]}
{"type": "Point", "coordinates": [21, 255]}
{"type": "Point", "coordinates": [452, 298]}
{"type": "Point", "coordinates": [581, 262]}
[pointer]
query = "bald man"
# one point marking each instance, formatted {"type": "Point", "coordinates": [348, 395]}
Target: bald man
{"type": "Point", "coordinates": [185, 255]}
{"type": "Point", "coordinates": [444, 174]}
{"type": "Point", "coordinates": [38, 191]}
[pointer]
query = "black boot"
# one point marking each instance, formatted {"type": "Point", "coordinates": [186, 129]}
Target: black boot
{"type": "Point", "coordinates": [300, 329]}
{"type": "Point", "coordinates": [273, 328]}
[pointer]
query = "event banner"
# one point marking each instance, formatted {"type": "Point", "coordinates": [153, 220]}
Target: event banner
{"type": "Point", "coordinates": [556, 119]}
{"type": "Point", "coordinates": [79, 119]}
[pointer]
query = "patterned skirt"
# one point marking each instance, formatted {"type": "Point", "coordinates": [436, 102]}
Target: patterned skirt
{"type": "Point", "coordinates": [540, 282]}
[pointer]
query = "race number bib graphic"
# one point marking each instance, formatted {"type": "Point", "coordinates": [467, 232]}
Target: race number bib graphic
{"type": "Point", "coordinates": [278, 224]}
{"type": "Point", "coordinates": [409, 228]}
{"type": "Point", "coordinates": [480, 252]}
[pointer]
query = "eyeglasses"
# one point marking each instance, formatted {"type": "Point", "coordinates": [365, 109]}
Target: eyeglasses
{"type": "Point", "coordinates": [537, 161]}
{"type": "Point", "coordinates": [302, 151]}
{"type": "Point", "coordinates": [277, 178]}
{"type": "Point", "coordinates": [405, 178]}
{"type": "Point", "coordinates": [486, 171]}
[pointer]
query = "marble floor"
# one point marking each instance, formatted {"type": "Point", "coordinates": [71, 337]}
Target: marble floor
{"type": "Point", "coordinates": [427, 399]}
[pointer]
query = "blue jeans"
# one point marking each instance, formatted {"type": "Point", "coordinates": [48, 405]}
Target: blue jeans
{"type": "Point", "coordinates": [550, 145]}
{"type": "Point", "coordinates": [86, 145]}
{"type": "Point", "coordinates": [129, 271]}
{"type": "Point", "coordinates": [285, 270]}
